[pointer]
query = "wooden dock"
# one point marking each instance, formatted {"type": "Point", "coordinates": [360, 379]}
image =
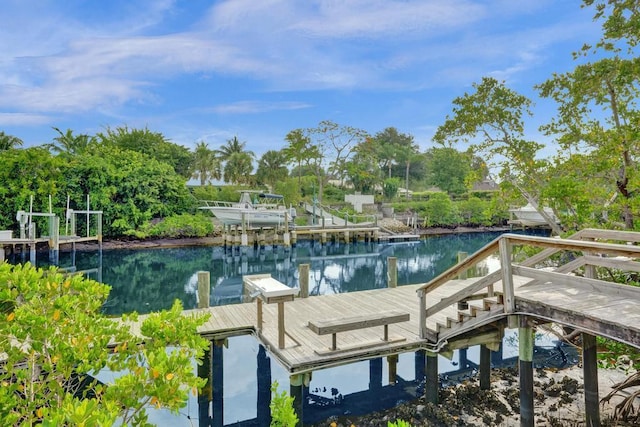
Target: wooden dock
{"type": "Point", "coordinates": [450, 312]}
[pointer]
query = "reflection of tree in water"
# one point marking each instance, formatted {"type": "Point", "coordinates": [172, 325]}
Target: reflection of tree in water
{"type": "Point", "coordinates": [146, 280]}
{"type": "Point", "coordinates": [150, 280]}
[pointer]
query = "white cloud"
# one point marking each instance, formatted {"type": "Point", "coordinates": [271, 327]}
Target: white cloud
{"type": "Point", "coordinates": [254, 107]}
{"type": "Point", "coordinates": [23, 119]}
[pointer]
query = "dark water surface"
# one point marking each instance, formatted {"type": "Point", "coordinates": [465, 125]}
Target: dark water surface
{"type": "Point", "coordinates": [151, 279]}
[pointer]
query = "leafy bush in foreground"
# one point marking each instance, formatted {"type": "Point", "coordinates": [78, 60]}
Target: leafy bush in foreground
{"type": "Point", "coordinates": [54, 339]}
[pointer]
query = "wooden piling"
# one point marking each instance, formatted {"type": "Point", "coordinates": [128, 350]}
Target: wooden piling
{"type": "Point", "coordinates": [375, 374]}
{"type": "Point", "coordinates": [205, 395]}
{"type": "Point", "coordinates": [590, 372]}
{"type": "Point", "coordinates": [485, 367]}
{"type": "Point", "coordinates": [432, 386]}
{"type": "Point", "coordinates": [525, 356]}
{"type": "Point", "coordinates": [296, 390]}
{"type": "Point", "coordinates": [392, 361]}
{"type": "Point", "coordinates": [204, 289]}
{"type": "Point", "coordinates": [218, 382]}
{"type": "Point", "coordinates": [461, 257]}
{"type": "Point", "coordinates": [303, 273]}
{"type": "Point", "coordinates": [392, 272]}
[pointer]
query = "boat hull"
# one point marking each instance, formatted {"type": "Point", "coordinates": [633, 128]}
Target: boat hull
{"type": "Point", "coordinates": [252, 217]}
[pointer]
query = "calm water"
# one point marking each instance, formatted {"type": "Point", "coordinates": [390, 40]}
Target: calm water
{"type": "Point", "coordinates": [148, 280]}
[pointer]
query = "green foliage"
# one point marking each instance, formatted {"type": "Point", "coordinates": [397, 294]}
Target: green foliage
{"type": "Point", "coordinates": [474, 211]}
{"type": "Point", "coordinates": [128, 186]}
{"type": "Point", "coordinates": [448, 169]}
{"type": "Point", "coordinates": [271, 168]}
{"type": "Point", "coordinates": [398, 423]}
{"type": "Point", "coordinates": [288, 188]}
{"type": "Point", "coordinates": [610, 351]}
{"type": "Point", "coordinates": [390, 187]}
{"type": "Point", "coordinates": [440, 210]}
{"type": "Point", "coordinates": [53, 334]}
{"type": "Point", "coordinates": [184, 225]}
{"type": "Point", "coordinates": [333, 194]}
{"type": "Point", "coordinates": [282, 412]}
{"type": "Point", "coordinates": [153, 144]}
{"type": "Point", "coordinates": [26, 173]}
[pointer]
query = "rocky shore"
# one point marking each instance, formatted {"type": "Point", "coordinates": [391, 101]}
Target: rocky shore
{"type": "Point", "coordinates": [559, 401]}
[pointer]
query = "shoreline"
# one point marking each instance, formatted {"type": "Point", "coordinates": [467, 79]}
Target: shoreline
{"type": "Point", "coordinates": [559, 401]}
{"type": "Point", "coordinates": [165, 242]}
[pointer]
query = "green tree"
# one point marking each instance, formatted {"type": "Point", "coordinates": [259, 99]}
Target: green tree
{"type": "Point", "coordinates": [337, 143]}
{"type": "Point", "coordinates": [362, 169]}
{"type": "Point", "coordinates": [70, 144]}
{"type": "Point", "coordinates": [238, 168]}
{"type": "Point", "coordinates": [231, 147]}
{"type": "Point", "coordinates": [271, 168]}
{"type": "Point", "coordinates": [448, 169]}
{"type": "Point", "coordinates": [54, 338]}
{"type": "Point", "coordinates": [29, 174]}
{"type": "Point", "coordinates": [494, 115]}
{"type": "Point", "coordinates": [206, 166]}
{"type": "Point", "coordinates": [597, 114]}
{"type": "Point", "coordinates": [398, 148]}
{"type": "Point", "coordinates": [621, 23]}
{"type": "Point", "coordinates": [153, 144]}
{"type": "Point", "coordinates": [390, 187]}
{"type": "Point", "coordinates": [238, 162]}
{"type": "Point", "coordinates": [299, 150]}
{"type": "Point", "coordinates": [8, 142]}
{"type": "Point", "coordinates": [129, 187]}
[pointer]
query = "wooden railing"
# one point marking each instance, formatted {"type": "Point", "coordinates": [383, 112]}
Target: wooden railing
{"type": "Point", "coordinates": [588, 242]}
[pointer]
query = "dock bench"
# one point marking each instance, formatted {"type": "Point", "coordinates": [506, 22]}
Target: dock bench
{"type": "Point", "coordinates": [343, 324]}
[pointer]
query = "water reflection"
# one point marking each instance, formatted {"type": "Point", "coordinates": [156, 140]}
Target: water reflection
{"type": "Point", "coordinates": [151, 279]}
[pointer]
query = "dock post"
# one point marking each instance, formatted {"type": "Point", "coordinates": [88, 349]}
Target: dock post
{"type": "Point", "coordinates": [244, 239]}
{"type": "Point", "coordinates": [590, 372]}
{"type": "Point", "coordinates": [296, 390]}
{"type": "Point", "coordinates": [204, 289]}
{"type": "Point", "coordinates": [217, 380]}
{"type": "Point", "coordinates": [303, 273]}
{"type": "Point", "coordinates": [392, 360]}
{"type": "Point", "coordinates": [463, 359]}
{"type": "Point", "coordinates": [525, 356]}
{"type": "Point", "coordinates": [485, 367]}
{"type": "Point", "coordinates": [420, 361]}
{"type": "Point", "coordinates": [263, 373]}
{"type": "Point", "coordinates": [32, 253]}
{"type": "Point", "coordinates": [461, 257]}
{"type": "Point", "coordinates": [392, 272]}
{"type": "Point", "coordinates": [375, 374]}
{"type": "Point", "coordinates": [205, 396]}
{"type": "Point", "coordinates": [432, 386]}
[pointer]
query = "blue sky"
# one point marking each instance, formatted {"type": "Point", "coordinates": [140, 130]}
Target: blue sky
{"type": "Point", "coordinates": [205, 70]}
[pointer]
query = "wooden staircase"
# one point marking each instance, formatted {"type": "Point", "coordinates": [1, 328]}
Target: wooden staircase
{"type": "Point", "coordinates": [467, 315]}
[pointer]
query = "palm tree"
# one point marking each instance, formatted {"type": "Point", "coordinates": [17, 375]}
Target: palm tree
{"type": "Point", "coordinates": [232, 146]}
{"type": "Point", "coordinates": [8, 142]}
{"type": "Point", "coordinates": [238, 168]}
{"type": "Point", "coordinates": [68, 143]}
{"type": "Point", "coordinates": [206, 166]}
{"type": "Point", "coordinates": [271, 168]}
{"type": "Point", "coordinates": [234, 149]}
{"type": "Point", "coordinates": [298, 150]}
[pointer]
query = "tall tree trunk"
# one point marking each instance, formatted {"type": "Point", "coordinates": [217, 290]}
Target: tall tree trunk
{"type": "Point", "coordinates": [406, 179]}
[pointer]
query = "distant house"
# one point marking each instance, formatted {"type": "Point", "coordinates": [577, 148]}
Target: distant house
{"type": "Point", "coordinates": [485, 185]}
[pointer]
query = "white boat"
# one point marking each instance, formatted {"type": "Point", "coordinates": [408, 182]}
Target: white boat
{"type": "Point", "coordinates": [528, 216]}
{"type": "Point", "coordinates": [265, 210]}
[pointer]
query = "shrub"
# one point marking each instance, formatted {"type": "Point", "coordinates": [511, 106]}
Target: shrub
{"type": "Point", "coordinates": [184, 225]}
{"type": "Point", "coordinates": [282, 412]}
{"type": "Point", "coordinates": [53, 335]}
